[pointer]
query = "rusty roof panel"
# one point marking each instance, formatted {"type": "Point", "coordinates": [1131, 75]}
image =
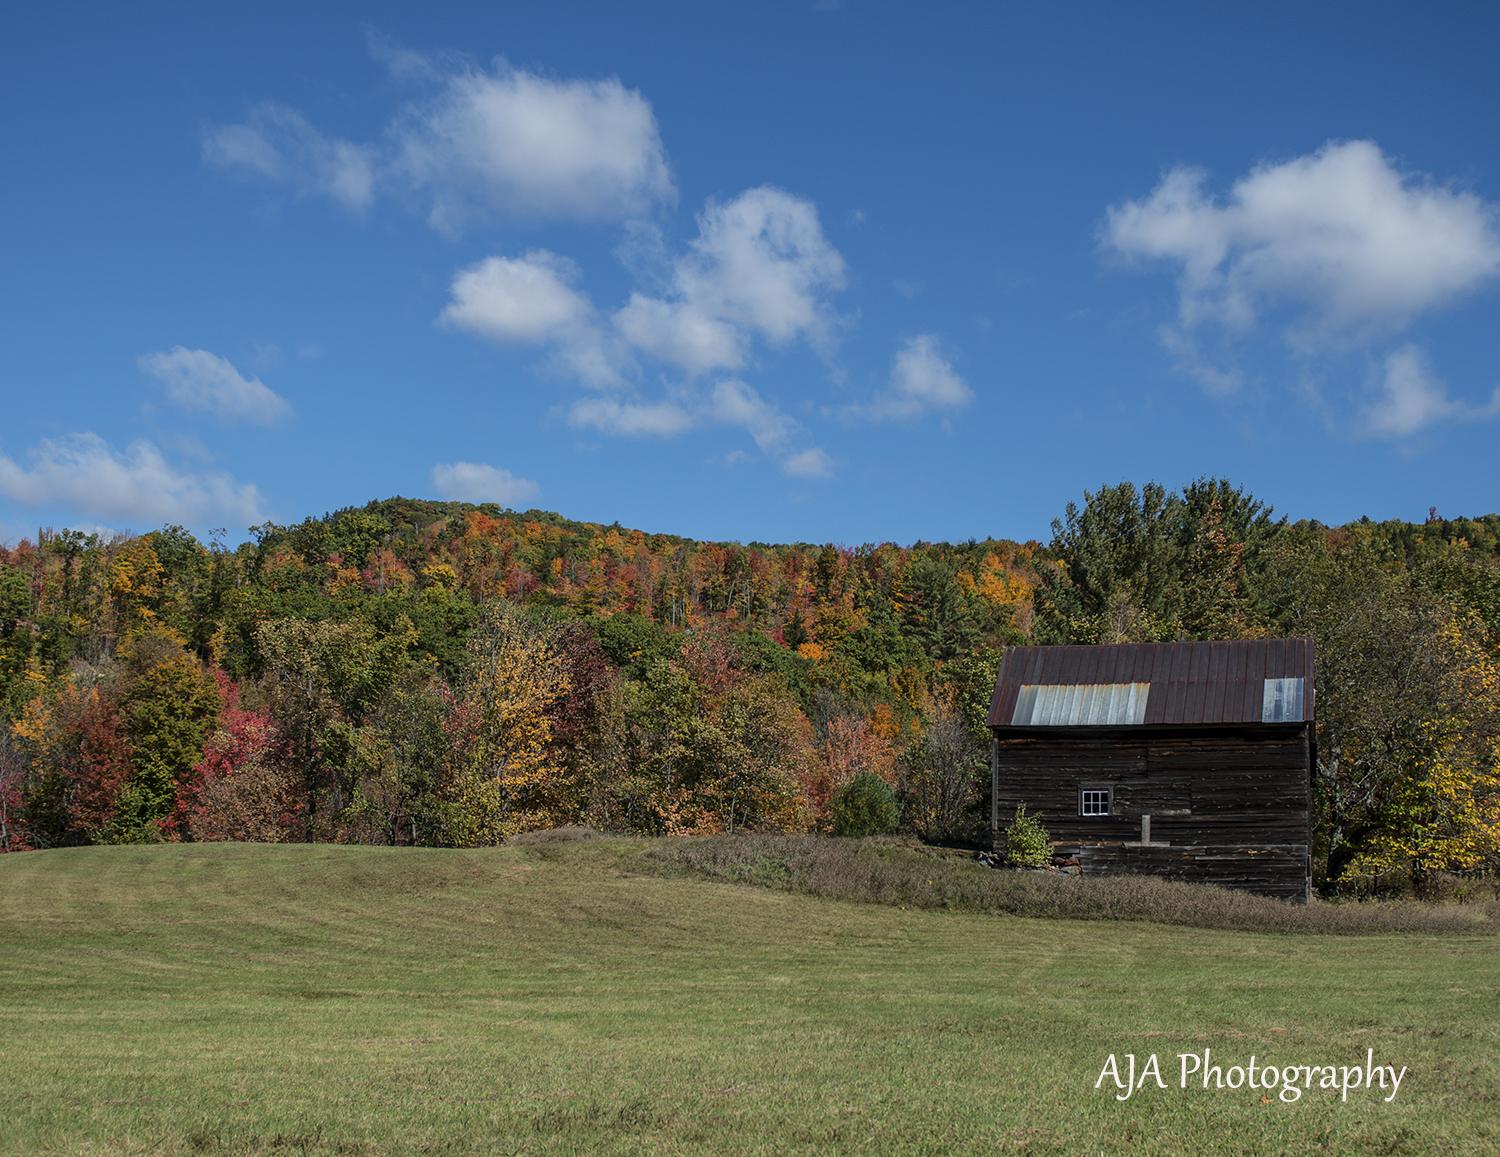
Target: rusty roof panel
{"type": "Point", "coordinates": [1234, 678]}
{"type": "Point", "coordinates": [1213, 692]}
{"type": "Point", "coordinates": [1213, 682]}
{"type": "Point", "coordinates": [1156, 704]}
{"type": "Point", "coordinates": [1197, 681]}
{"type": "Point", "coordinates": [1177, 685]}
{"type": "Point", "coordinates": [1255, 674]}
{"type": "Point", "coordinates": [1088, 666]}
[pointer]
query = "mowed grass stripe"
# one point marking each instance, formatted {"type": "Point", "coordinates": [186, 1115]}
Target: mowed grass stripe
{"type": "Point", "coordinates": [243, 999]}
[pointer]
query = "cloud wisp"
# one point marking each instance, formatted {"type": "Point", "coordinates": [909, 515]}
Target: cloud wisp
{"type": "Point", "coordinates": [201, 381]}
{"type": "Point", "coordinates": [729, 404]}
{"type": "Point", "coordinates": [84, 474]}
{"type": "Point", "coordinates": [477, 482]}
{"type": "Point", "coordinates": [922, 381]}
{"type": "Point", "coordinates": [279, 144]}
{"type": "Point", "coordinates": [1337, 252]}
{"type": "Point", "coordinates": [1409, 398]}
{"type": "Point", "coordinates": [486, 145]}
{"type": "Point", "coordinates": [759, 271]}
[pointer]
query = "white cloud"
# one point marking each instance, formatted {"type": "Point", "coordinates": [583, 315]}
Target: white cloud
{"type": "Point", "coordinates": [523, 299]}
{"type": "Point", "coordinates": [1349, 244]}
{"type": "Point", "coordinates": [277, 142]}
{"type": "Point", "coordinates": [759, 268]}
{"type": "Point", "coordinates": [632, 419]}
{"type": "Point", "coordinates": [1411, 399]}
{"type": "Point", "coordinates": [531, 300]}
{"type": "Point", "coordinates": [921, 380]}
{"type": "Point", "coordinates": [81, 472]}
{"type": "Point", "coordinates": [729, 403]}
{"type": "Point", "coordinates": [736, 404]}
{"type": "Point", "coordinates": [512, 143]}
{"type": "Point", "coordinates": [489, 145]}
{"type": "Point", "coordinates": [681, 334]}
{"type": "Point", "coordinates": [810, 463]}
{"type": "Point", "coordinates": [199, 380]}
{"type": "Point", "coordinates": [475, 482]}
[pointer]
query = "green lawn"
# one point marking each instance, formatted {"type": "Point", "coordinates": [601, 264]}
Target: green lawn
{"type": "Point", "coordinates": [567, 999]}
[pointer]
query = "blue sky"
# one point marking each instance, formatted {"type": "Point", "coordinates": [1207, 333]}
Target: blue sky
{"type": "Point", "coordinates": [775, 272]}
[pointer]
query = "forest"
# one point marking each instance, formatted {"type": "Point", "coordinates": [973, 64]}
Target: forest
{"type": "Point", "coordinates": [443, 674]}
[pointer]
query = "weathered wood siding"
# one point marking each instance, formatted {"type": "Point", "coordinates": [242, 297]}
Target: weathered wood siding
{"type": "Point", "coordinates": [1267, 869]}
{"type": "Point", "coordinates": [1210, 788]}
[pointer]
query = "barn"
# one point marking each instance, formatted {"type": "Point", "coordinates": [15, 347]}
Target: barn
{"type": "Point", "coordinates": [1187, 760]}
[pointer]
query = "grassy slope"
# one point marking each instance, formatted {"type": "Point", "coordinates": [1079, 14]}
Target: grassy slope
{"type": "Point", "coordinates": [321, 999]}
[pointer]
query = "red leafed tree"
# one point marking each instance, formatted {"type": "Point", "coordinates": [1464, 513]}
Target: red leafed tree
{"type": "Point", "coordinates": [575, 714]}
{"type": "Point", "coordinates": [707, 658]}
{"type": "Point", "coordinates": [15, 770]}
{"type": "Point", "coordinates": [854, 748]}
{"type": "Point", "coordinates": [244, 787]}
{"type": "Point", "coordinates": [82, 759]}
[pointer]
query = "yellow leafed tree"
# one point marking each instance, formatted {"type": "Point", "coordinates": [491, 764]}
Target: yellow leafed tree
{"type": "Point", "coordinates": [1446, 816]}
{"type": "Point", "coordinates": [509, 778]}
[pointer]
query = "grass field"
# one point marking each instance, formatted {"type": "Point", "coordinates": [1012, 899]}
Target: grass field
{"type": "Point", "coordinates": [573, 999]}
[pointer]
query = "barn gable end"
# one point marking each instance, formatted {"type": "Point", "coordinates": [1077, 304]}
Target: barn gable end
{"type": "Point", "coordinates": [1188, 760]}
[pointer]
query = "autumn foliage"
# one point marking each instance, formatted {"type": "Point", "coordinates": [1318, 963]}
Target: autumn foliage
{"type": "Point", "coordinates": [437, 673]}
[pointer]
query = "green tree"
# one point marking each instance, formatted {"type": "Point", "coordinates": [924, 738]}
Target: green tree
{"type": "Point", "coordinates": [17, 641]}
{"type": "Point", "coordinates": [632, 642]}
{"type": "Point", "coordinates": [765, 759]}
{"type": "Point", "coordinates": [865, 806]}
{"type": "Point", "coordinates": [1152, 566]}
{"type": "Point", "coordinates": [1397, 697]}
{"type": "Point", "coordinates": [1212, 600]}
{"type": "Point", "coordinates": [402, 759]}
{"type": "Point", "coordinates": [1027, 844]}
{"type": "Point", "coordinates": [170, 706]}
{"type": "Point", "coordinates": [972, 679]}
{"type": "Point", "coordinates": [1117, 567]}
{"type": "Point", "coordinates": [936, 612]}
{"type": "Point", "coordinates": [325, 679]}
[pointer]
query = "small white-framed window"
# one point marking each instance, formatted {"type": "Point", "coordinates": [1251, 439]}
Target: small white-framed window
{"type": "Point", "coordinates": [1097, 800]}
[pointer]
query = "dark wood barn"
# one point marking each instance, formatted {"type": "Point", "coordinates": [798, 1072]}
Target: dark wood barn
{"type": "Point", "coordinates": [1189, 760]}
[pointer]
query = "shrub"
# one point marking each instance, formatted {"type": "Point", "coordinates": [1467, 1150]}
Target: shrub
{"type": "Point", "coordinates": [1026, 842]}
{"type": "Point", "coordinates": [888, 872]}
{"type": "Point", "coordinates": [865, 806]}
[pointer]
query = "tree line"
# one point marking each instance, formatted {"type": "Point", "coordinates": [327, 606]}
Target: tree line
{"type": "Point", "coordinates": [415, 672]}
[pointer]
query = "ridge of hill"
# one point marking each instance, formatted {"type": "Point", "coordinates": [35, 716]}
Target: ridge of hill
{"type": "Point", "coordinates": [411, 671]}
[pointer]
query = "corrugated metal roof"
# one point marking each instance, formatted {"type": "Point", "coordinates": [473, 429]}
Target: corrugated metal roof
{"type": "Point", "coordinates": [1081, 705]}
{"type": "Point", "coordinates": [1216, 682]}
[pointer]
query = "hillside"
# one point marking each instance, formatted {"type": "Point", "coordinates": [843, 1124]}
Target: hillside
{"type": "Point", "coordinates": [448, 674]}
